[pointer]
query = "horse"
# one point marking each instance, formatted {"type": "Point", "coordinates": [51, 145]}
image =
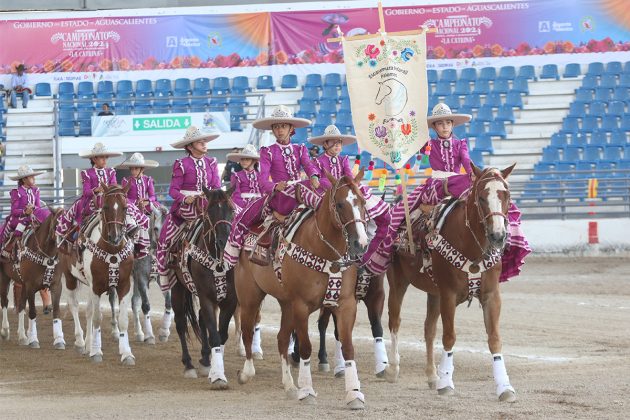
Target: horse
{"type": "Point", "coordinates": [104, 262]}
{"type": "Point", "coordinates": [36, 270]}
{"type": "Point", "coordinates": [475, 229]}
{"type": "Point", "coordinates": [141, 273]}
{"type": "Point", "coordinates": [202, 272]}
{"type": "Point", "coordinates": [332, 239]}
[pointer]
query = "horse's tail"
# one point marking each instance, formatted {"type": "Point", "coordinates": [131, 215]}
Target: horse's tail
{"type": "Point", "coordinates": [191, 316]}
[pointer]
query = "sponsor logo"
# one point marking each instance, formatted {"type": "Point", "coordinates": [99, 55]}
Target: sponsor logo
{"type": "Point", "coordinates": [587, 24]}
{"type": "Point", "coordinates": [544, 26]}
{"type": "Point", "coordinates": [171, 42]}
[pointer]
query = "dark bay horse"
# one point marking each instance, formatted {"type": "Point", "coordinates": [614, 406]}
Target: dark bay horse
{"type": "Point", "coordinates": [37, 269]}
{"type": "Point", "coordinates": [104, 263]}
{"type": "Point", "coordinates": [476, 228]}
{"type": "Point", "coordinates": [202, 270]}
{"type": "Point", "coordinates": [332, 239]}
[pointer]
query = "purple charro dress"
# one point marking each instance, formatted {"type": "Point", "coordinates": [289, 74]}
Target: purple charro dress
{"type": "Point", "coordinates": [246, 186]}
{"type": "Point", "coordinates": [190, 176]}
{"type": "Point", "coordinates": [278, 163]}
{"type": "Point", "coordinates": [447, 157]}
{"type": "Point", "coordinates": [141, 189]}
{"type": "Point", "coordinates": [17, 221]}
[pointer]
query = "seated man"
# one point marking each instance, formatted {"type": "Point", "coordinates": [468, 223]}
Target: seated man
{"type": "Point", "coordinates": [18, 87]}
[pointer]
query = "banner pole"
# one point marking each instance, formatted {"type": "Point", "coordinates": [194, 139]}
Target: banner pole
{"type": "Point", "coordinates": [403, 181]}
{"type": "Point", "coordinates": [381, 18]}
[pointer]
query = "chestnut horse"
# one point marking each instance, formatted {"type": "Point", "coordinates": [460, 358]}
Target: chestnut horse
{"type": "Point", "coordinates": [333, 237]}
{"type": "Point", "coordinates": [104, 262]}
{"type": "Point", "coordinates": [476, 228]}
{"type": "Point", "coordinates": [203, 266]}
{"type": "Point", "coordinates": [37, 270]}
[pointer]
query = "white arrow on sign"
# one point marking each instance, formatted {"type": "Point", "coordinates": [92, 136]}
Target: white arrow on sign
{"type": "Point", "coordinates": [137, 124]}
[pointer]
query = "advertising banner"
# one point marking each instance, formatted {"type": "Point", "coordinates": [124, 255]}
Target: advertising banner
{"type": "Point", "coordinates": [156, 124]}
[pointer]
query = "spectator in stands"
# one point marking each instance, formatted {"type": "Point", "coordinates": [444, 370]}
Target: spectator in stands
{"type": "Point", "coordinates": [313, 152]}
{"type": "Point", "coordinates": [231, 167]}
{"type": "Point", "coordinates": [105, 111]}
{"type": "Point", "coordinates": [18, 87]}
{"type": "Point", "coordinates": [245, 182]}
{"type": "Point", "coordinates": [447, 155]}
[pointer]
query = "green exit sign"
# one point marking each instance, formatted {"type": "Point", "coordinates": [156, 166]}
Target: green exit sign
{"type": "Point", "coordinates": [161, 123]}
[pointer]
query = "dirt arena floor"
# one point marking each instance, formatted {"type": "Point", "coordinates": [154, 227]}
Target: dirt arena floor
{"type": "Point", "coordinates": [566, 339]}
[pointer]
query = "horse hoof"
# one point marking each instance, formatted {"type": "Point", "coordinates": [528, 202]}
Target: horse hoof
{"type": "Point", "coordinates": [381, 374]}
{"type": "Point", "coordinates": [23, 341]}
{"type": "Point", "coordinates": [190, 374]}
{"type": "Point", "coordinates": [150, 341]}
{"type": "Point", "coordinates": [257, 356]}
{"type": "Point", "coordinates": [4, 334]}
{"type": "Point", "coordinates": [446, 391]}
{"type": "Point", "coordinates": [508, 396]}
{"type": "Point", "coordinates": [308, 400]}
{"type": "Point", "coordinates": [324, 367]}
{"type": "Point", "coordinates": [79, 349]}
{"type": "Point", "coordinates": [115, 335]}
{"type": "Point", "coordinates": [163, 338]}
{"type": "Point", "coordinates": [432, 385]}
{"type": "Point", "coordinates": [47, 309]}
{"type": "Point", "coordinates": [140, 338]}
{"type": "Point", "coordinates": [60, 346]}
{"type": "Point", "coordinates": [97, 358]}
{"type": "Point", "coordinates": [34, 345]}
{"type": "Point", "coordinates": [356, 404]}
{"type": "Point", "coordinates": [291, 393]}
{"type": "Point", "coordinates": [204, 370]}
{"type": "Point", "coordinates": [242, 379]}
{"type": "Point", "coordinates": [129, 361]}
{"type": "Point", "coordinates": [219, 385]}
{"type": "Point", "coordinates": [340, 374]}
{"type": "Point", "coordinates": [391, 374]}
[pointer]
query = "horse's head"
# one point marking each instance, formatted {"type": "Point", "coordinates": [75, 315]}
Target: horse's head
{"type": "Point", "coordinates": [347, 207]}
{"type": "Point", "coordinates": [491, 196]}
{"type": "Point", "coordinates": [383, 91]}
{"type": "Point", "coordinates": [156, 220]}
{"type": "Point", "coordinates": [219, 215]}
{"type": "Point", "coordinates": [114, 212]}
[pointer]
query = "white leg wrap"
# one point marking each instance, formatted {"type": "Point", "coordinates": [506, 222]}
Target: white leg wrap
{"type": "Point", "coordinates": [5, 322]}
{"type": "Point", "coordinates": [501, 378]}
{"type": "Point", "coordinates": [249, 370]}
{"type": "Point", "coordinates": [32, 331]}
{"type": "Point", "coordinates": [256, 341]}
{"type": "Point", "coordinates": [217, 371]}
{"type": "Point", "coordinates": [305, 382]}
{"type": "Point", "coordinates": [123, 346]}
{"type": "Point", "coordinates": [287, 378]}
{"type": "Point", "coordinates": [148, 328]}
{"type": "Point", "coordinates": [58, 332]}
{"type": "Point", "coordinates": [445, 371]}
{"type": "Point", "coordinates": [340, 363]}
{"type": "Point", "coordinates": [353, 385]}
{"type": "Point", "coordinates": [21, 332]}
{"type": "Point", "coordinates": [380, 355]}
{"type": "Point", "coordinates": [95, 348]}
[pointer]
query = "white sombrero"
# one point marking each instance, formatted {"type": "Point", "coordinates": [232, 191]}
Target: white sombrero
{"type": "Point", "coordinates": [248, 152]}
{"type": "Point", "coordinates": [24, 171]}
{"type": "Point", "coordinates": [281, 114]}
{"type": "Point", "coordinates": [192, 135]}
{"type": "Point", "coordinates": [138, 161]}
{"type": "Point", "coordinates": [99, 149]}
{"type": "Point", "coordinates": [443, 112]}
{"type": "Point", "coordinates": [333, 133]}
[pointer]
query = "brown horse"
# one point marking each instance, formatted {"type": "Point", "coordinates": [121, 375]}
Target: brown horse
{"type": "Point", "coordinates": [37, 270]}
{"type": "Point", "coordinates": [332, 239]}
{"type": "Point", "coordinates": [204, 272]}
{"type": "Point", "coordinates": [476, 229]}
{"type": "Point", "coordinates": [105, 263]}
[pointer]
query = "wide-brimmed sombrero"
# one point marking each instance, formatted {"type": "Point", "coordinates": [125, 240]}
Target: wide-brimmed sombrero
{"type": "Point", "coordinates": [281, 114]}
{"type": "Point", "coordinates": [24, 171]}
{"type": "Point", "coordinates": [248, 152]}
{"type": "Point", "coordinates": [333, 133]}
{"type": "Point", "coordinates": [99, 149]}
{"type": "Point", "coordinates": [138, 161]}
{"type": "Point", "coordinates": [192, 135]}
{"type": "Point", "coordinates": [443, 112]}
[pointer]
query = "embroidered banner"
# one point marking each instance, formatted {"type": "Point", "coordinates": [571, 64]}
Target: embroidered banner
{"type": "Point", "coordinates": [387, 83]}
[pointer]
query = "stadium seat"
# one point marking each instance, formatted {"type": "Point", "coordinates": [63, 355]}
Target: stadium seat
{"type": "Point", "coordinates": [577, 109]}
{"type": "Point", "coordinates": [505, 113]}
{"type": "Point", "coordinates": [344, 93]}
{"type": "Point", "coordinates": [477, 157]}
{"type": "Point", "coordinates": [507, 73]}
{"type": "Point", "coordinates": [448, 75]}
{"type": "Point", "coordinates": [583, 95]}
{"type": "Point", "coordinates": [483, 143]}
{"type": "Point", "coordinates": [66, 88]}
{"type": "Point", "coordinates": [311, 93]}
{"type": "Point", "coordinates": [608, 81]}
{"type": "Point", "coordinates": [329, 106]}
{"type": "Point", "coordinates": [501, 86]}
{"type": "Point", "coordinates": [163, 87]}
{"type": "Point", "coordinates": [330, 92]}
{"type": "Point", "coordinates": [332, 79]}
{"type": "Point", "coordinates": [476, 128]}
{"type": "Point", "coordinates": [289, 81]}
{"type": "Point", "coordinates": [624, 80]}
{"type": "Point", "coordinates": [345, 105]}
{"type": "Point", "coordinates": [66, 128]}
{"type": "Point", "coordinates": [124, 87]}
{"type": "Point", "coordinates": [443, 88]}
{"type": "Point", "coordinates": [237, 96]}
{"type": "Point", "coordinates": [105, 86]}
{"type": "Point", "coordinates": [549, 71]}
{"type": "Point", "coordinates": [323, 118]}
{"type": "Point", "coordinates": [521, 85]}
{"type": "Point", "coordinates": [527, 72]}
{"type": "Point", "coordinates": [462, 87]}
{"type": "Point", "coordinates": [308, 107]}
{"type": "Point", "coordinates": [242, 83]}
{"type": "Point", "coordinates": [469, 74]}
{"type": "Point", "coordinates": [613, 152]}
{"type": "Point", "coordinates": [140, 108]}
{"type": "Point", "coordinates": [180, 98]}
{"type": "Point", "coordinates": [599, 138]}
{"type": "Point", "coordinates": [432, 77]}
{"type": "Point", "coordinates": [551, 154]}
{"type": "Point", "coordinates": [182, 85]}
{"type": "Point", "coordinates": [66, 101]}
{"type": "Point", "coordinates": [459, 131]}
{"type": "Point", "coordinates": [571, 153]}
{"type": "Point", "coordinates": [572, 70]}
{"type": "Point", "coordinates": [305, 115]}
{"type": "Point", "coordinates": [237, 110]}
{"type": "Point", "coordinates": [482, 87]}
{"type": "Point", "coordinates": [625, 123]}
{"type": "Point", "coordinates": [202, 84]}
{"type": "Point", "coordinates": [558, 140]}
{"type": "Point", "coordinates": [579, 139]}
{"type": "Point", "coordinates": [621, 93]}
{"type": "Point", "coordinates": [344, 120]}
{"type": "Point", "coordinates": [596, 69]}
{"type": "Point", "coordinates": [488, 74]}
{"type": "Point", "coordinates": [318, 130]}
{"type": "Point", "coordinates": [300, 136]}
{"type": "Point", "coordinates": [514, 99]}
{"type": "Point", "coordinates": [85, 128]}
{"type": "Point", "coordinates": [313, 80]}
{"type": "Point", "coordinates": [592, 153]}
{"type": "Point", "coordinates": [452, 101]}
{"type": "Point", "coordinates": [584, 169]}
{"type": "Point", "coordinates": [609, 123]}
{"type": "Point", "coordinates": [619, 138]}
{"type": "Point", "coordinates": [589, 81]}
{"type": "Point", "coordinates": [485, 114]}
{"type": "Point", "coordinates": [265, 83]}
{"type": "Point", "coordinates": [66, 115]}
{"type": "Point", "coordinates": [43, 89]}
{"type": "Point", "coordinates": [603, 94]}
{"type": "Point", "coordinates": [570, 125]}
{"type": "Point", "coordinates": [616, 108]}
{"type": "Point", "coordinates": [85, 89]}
{"type": "Point", "coordinates": [497, 128]}
{"type": "Point", "coordinates": [199, 99]}
{"type": "Point", "coordinates": [124, 109]}
{"type": "Point", "coordinates": [493, 99]}
{"type": "Point", "coordinates": [104, 98]}
{"type": "Point", "coordinates": [144, 88]}
{"type": "Point", "coordinates": [596, 108]}
{"type": "Point", "coordinates": [221, 83]}
{"type": "Point", "coordinates": [473, 101]}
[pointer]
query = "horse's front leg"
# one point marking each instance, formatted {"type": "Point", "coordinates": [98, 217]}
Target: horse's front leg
{"type": "Point", "coordinates": [398, 284]}
{"type": "Point", "coordinates": [448, 304]}
{"type": "Point", "coordinates": [346, 316]}
{"type": "Point", "coordinates": [491, 304]}
{"type": "Point", "coordinates": [126, 356]}
{"type": "Point", "coordinates": [322, 326]}
{"type": "Point", "coordinates": [5, 282]}
{"type": "Point", "coordinates": [216, 376]}
{"type": "Point", "coordinates": [73, 304]}
{"type": "Point", "coordinates": [114, 320]}
{"type": "Point", "coordinates": [430, 327]}
{"type": "Point", "coordinates": [165, 326]}
{"type": "Point", "coordinates": [29, 295]}
{"type": "Point", "coordinates": [238, 333]}
{"type": "Point", "coordinates": [374, 302]}
{"type": "Point", "coordinates": [55, 290]}
{"type": "Point", "coordinates": [135, 308]}
{"type": "Point", "coordinates": [94, 318]}
{"type": "Point", "coordinates": [286, 328]}
{"type": "Point", "coordinates": [301, 312]}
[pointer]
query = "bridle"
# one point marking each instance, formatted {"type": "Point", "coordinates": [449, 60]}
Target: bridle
{"type": "Point", "coordinates": [34, 226]}
{"type": "Point", "coordinates": [210, 228]}
{"type": "Point", "coordinates": [337, 222]}
{"type": "Point", "coordinates": [113, 192]}
{"type": "Point", "coordinates": [487, 175]}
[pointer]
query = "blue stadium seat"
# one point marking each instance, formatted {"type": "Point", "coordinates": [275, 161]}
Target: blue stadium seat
{"type": "Point", "coordinates": [183, 85]}
{"type": "Point", "coordinates": [477, 157]}
{"type": "Point", "coordinates": [462, 87]}
{"type": "Point", "coordinates": [180, 98]}
{"type": "Point", "coordinates": [66, 128]}
{"type": "Point", "coordinates": [589, 81]}
{"type": "Point", "coordinates": [105, 86]}
{"type": "Point", "coordinates": [330, 92]}
{"type": "Point", "coordinates": [301, 114]}
{"type": "Point", "coordinates": [551, 154]}
{"type": "Point", "coordinates": [592, 153]}
{"type": "Point", "coordinates": [624, 80]}
{"type": "Point", "coordinates": [344, 120]}
{"type": "Point", "coordinates": [289, 81]}
{"type": "Point", "coordinates": [432, 77]}
{"type": "Point", "coordinates": [505, 113]}
{"type": "Point", "coordinates": [619, 138]}
{"type": "Point", "coordinates": [202, 84]}
{"type": "Point", "coordinates": [199, 100]}
{"type": "Point", "coordinates": [501, 86]}
{"type": "Point", "coordinates": [605, 166]}
{"type": "Point", "coordinates": [300, 136]}
{"type": "Point", "coordinates": [579, 139]}
{"type": "Point", "coordinates": [527, 72]}
{"type": "Point", "coordinates": [66, 88]}
{"type": "Point", "coordinates": [584, 169]}
{"type": "Point", "coordinates": [621, 94]}
{"type": "Point", "coordinates": [242, 83]}
{"type": "Point", "coordinates": [493, 99]}
{"type": "Point", "coordinates": [452, 101]}
{"type": "Point", "coordinates": [104, 98]}
{"type": "Point", "coordinates": [583, 95]}
{"type": "Point", "coordinates": [476, 128]}
{"type": "Point", "coordinates": [163, 87]}
{"type": "Point", "coordinates": [599, 138]}
{"type": "Point", "coordinates": [433, 101]}
{"type": "Point", "coordinates": [626, 67]}
{"type": "Point", "coordinates": [144, 88]}
{"type": "Point", "coordinates": [558, 140]}
{"type": "Point", "coordinates": [613, 152]}
{"type": "Point", "coordinates": [449, 75]}
{"type": "Point", "coordinates": [469, 74]}
{"type": "Point", "coordinates": [323, 118]}
{"type": "Point", "coordinates": [235, 123]}
{"type": "Point", "coordinates": [497, 128]}
{"type": "Point", "coordinates": [483, 143]}
{"type": "Point", "coordinates": [460, 131]}
{"type": "Point", "coordinates": [596, 69]}
{"type": "Point", "coordinates": [596, 108]}
{"type": "Point", "coordinates": [521, 85]}
{"type": "Point", "coordinates": [577, 109]}
{"type": "Point", "coordinates": [161, 106]}
{"type": "Point", "coordinates": [308, 107]}
{"type": "Point", "coordinates": [66, 115]}
{"type": "Point", "coordinates": [221, 83]}
{"type": "Point", "coordinates": [124, 108]}
{"type": "Point", "coordinates": [609, 123]}
{"type": "Point", "coordinates": [625, 123]}
{"type": "Point", "coordinates": [332, 79]}
{"type": "Point", "coordinates": [318, 130]}
{"type": "Point", "coordinates": [344, 93]}
{"type": "Point", "coordinates": [141, 107]}
{"type": "Point", "coordinates": [237, 96]}
{"type": "Point", "coordinates": [43, 89]}
{"type": "Point", "coordinates": [603, 94]}
{"type": "Point", "coordinates": [345, 105]}
{"type": "Point", "coordinates": [507, 73]}
{"type": "Point", "coordinates": [487, 73]}
{"type": "Point", "coordinates": [572, 70]}
{"type": "Point", "coordinates": [616, 108]}
{"type": "Point", "coordinates": [485, 114]}
{"type": "Point", "coordinates": [85, 128]}
{"type": "Point", "coordinates": [549, 71]}
{"type": "Point", "coordinates": [473, 101]}
{"type": "Point", "coordinates": [608, 81]}
{"type": "Point", "coordinates": [66, 101]}
{"type": "Point", "coordinates": [124, 87]}
{"type": "Point", "coordinates": [265, 83]}
{"type": "Point", "coordinates": [570, 125]}
{"type": "Point", "coordinates": [482, 87]}
{"type": "Point", "coordinates": [311, 93]}
{"type": "Point", "coordinates": [84, 102]}
{"type": "Point", "coordinates": [514, 99]}
{"type": "Point", "coordinates": [571, 153]}
{"type": "Point", "coordinates": [237, 110]}
{"type": "Point", "coordinates": [85, 89]}
{"type": "Point", "coordinates": [329, 106]}
{"type": "Point", "coordinates": [443, 88]}
{"type": "Point", "coordinates": [313, 80]}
